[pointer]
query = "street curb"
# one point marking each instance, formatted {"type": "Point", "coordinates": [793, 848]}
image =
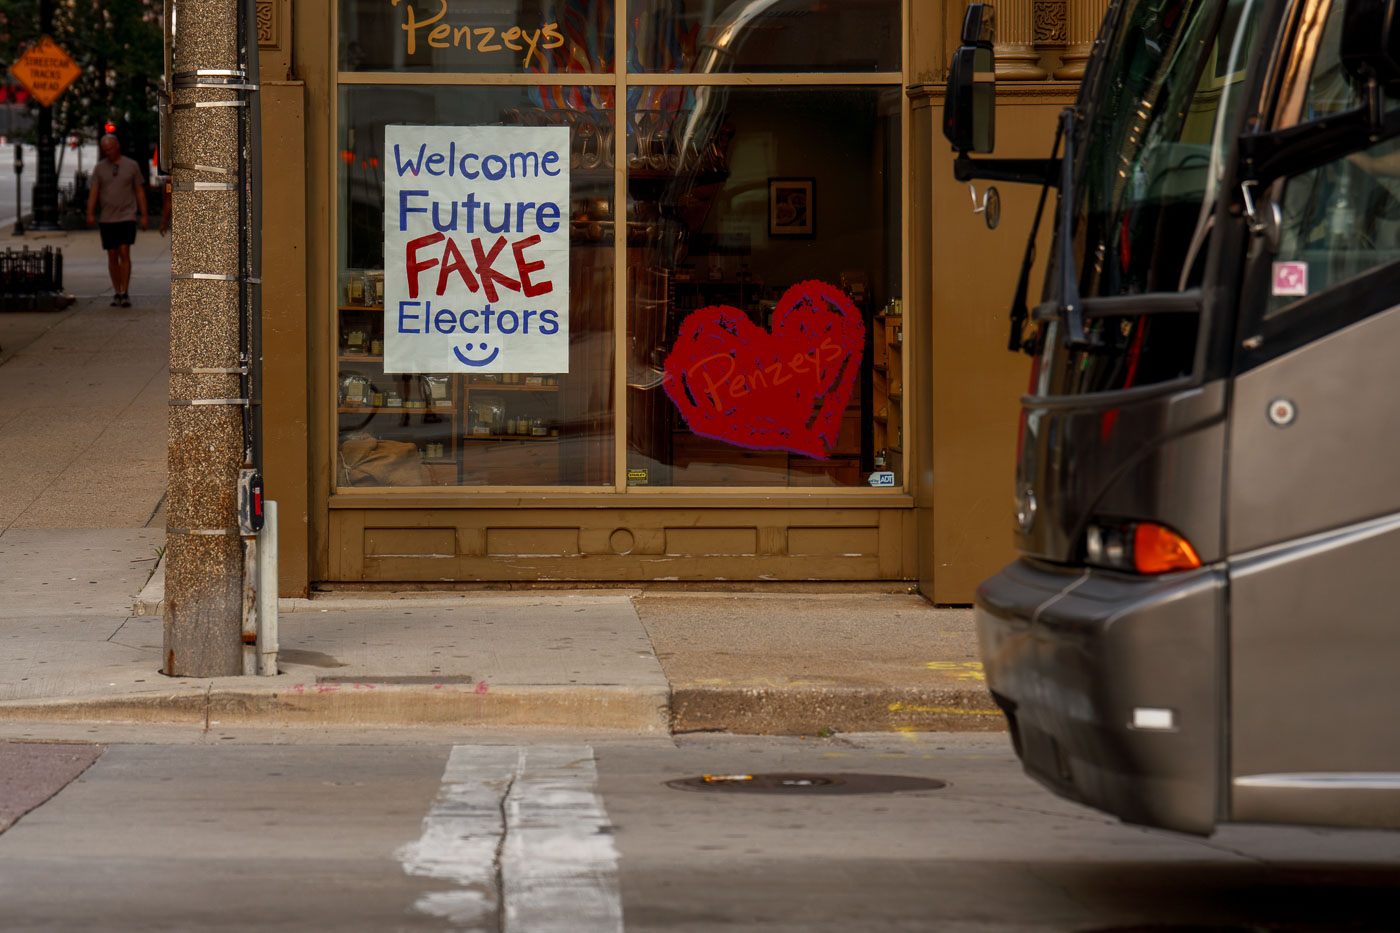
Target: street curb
{"type": "Point", "coordinates": [632, 709]}
{"type": "Point", "coordinates": [151, 601]}
{"type": "Point", "coordinates": [797, 710]}
{"type": "Point", "coordinates": [810, 710]}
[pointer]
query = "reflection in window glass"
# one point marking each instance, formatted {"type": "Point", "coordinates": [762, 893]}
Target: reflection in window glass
{"type": "Point", "coordinates": [450, 429]}
{"type": "Point", "coordinates": [716, 36]}
{"type": "Point", "coordinates": [764, 334]}
{"type": "Point", "coordinates": [507, 36]}
{"type": "Point", "coordinates": [1343, 218]}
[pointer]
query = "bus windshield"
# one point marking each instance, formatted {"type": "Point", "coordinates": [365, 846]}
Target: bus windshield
{"type": "Point", "coordinates": [1145, 184]}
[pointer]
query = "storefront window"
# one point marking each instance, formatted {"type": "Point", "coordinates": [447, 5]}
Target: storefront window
{"type": "Point", "coordinates": [547, 423]}
{"type": "Point", "coordinates": [491, 248]}
{"type": "Point", "coordinates": [764, 336]}
{"type": "Point", "coordinates": [721, 36]}
{"type": "Point", "coordinates": [504, 36]}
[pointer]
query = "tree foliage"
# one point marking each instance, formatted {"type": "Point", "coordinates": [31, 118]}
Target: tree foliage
{"type": "Point", "coordinates": [118, 44]}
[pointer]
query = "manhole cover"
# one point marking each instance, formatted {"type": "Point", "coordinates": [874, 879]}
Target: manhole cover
{"type": "Point", "coordinates": [805, 783]}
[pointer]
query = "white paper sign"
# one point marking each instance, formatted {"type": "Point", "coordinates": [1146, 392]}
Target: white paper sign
{"type": "Point", "coordinates": [476, 249]}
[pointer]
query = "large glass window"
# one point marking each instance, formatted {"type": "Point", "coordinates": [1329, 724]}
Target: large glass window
{"type": "Point", "coordinates": [718, 36]}
{"type": "Point", "coordinates": [467, 428]}
{"type": "Point", "coordinates": [764, 242]}
{"type": "Point", "coordinates": [739, 273]}
{"type": "Point", "coordinates": [504, 36]}
{"type": "Point", "coordinates": [1343, 218]}
{"type": "Point", "coordinates": [1145, 183]}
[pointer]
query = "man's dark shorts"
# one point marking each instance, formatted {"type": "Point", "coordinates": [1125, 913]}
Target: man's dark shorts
{"type": "Point", "coordinates": [118, 234]}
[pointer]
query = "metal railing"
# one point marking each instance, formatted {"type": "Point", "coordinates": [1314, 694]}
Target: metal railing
{"type": "Point", "coordinates": [25, 272]}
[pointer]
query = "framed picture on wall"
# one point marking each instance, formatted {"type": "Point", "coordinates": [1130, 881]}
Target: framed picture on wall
{"type": "Point", "coordinates": [792, 207]}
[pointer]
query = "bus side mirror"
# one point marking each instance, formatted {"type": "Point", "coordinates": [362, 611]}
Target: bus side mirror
{"type": "Point", "coordinates": [968, 118]}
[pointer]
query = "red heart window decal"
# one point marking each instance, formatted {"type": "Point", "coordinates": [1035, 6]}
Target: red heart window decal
{"type": "Point", "coordinates": [781, 390]}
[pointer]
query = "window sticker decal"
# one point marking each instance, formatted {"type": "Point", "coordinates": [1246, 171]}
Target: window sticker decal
{"type": "Point", "coordinates": [476, 249]}
{"type": "Point", "coordinates": [1291, 279]}
{"type": "Point", "coordinates": [787, 389]}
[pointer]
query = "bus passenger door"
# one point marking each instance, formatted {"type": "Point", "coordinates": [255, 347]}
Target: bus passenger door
{"type": "Point", "coordinates": [1313, 509]}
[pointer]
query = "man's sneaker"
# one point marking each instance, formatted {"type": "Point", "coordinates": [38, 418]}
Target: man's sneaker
{"type": "Point", "coordinates": [126, 300]}
{"type": "Point", "coordinates": [116, 301]}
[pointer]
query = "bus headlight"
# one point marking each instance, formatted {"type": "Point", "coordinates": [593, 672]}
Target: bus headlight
{"type": "Point", "coordinates": [1138, 547]}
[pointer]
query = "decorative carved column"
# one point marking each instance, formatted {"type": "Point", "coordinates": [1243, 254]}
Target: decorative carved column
{"type": "Point", "coordinates": [267, 23]}
{"type": "Point", "coordinates": [1016, 57]}
{"type": "Point", "coordinates": [1049, 31]}
{"type": "Point", "coordinates": [1084, 17]}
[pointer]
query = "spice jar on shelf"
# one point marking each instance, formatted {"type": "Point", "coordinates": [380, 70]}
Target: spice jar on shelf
{"type": "Point", "coordinates": [352, 287]}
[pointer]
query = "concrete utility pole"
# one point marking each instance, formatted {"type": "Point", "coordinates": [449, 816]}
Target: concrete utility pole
{"type": "Point", "coordinates": [210, 415]}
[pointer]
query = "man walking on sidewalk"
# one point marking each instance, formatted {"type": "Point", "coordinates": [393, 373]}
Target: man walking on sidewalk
{"type": "Point", "coordinates": [117, 185]}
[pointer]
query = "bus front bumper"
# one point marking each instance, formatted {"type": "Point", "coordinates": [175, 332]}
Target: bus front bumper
{"type": "Point", "coordinates": [1112, 686]}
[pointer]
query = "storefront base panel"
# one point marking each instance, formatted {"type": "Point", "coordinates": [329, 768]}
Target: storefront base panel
{"type": "Point", "coordinates": [397, 545]}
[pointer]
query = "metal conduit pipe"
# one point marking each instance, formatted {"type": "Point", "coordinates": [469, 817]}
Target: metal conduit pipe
{"type": "Point", "coordinates": [214, 336]}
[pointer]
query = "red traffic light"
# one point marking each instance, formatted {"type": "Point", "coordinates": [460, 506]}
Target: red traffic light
{"type": "Point", "coordinates": [109, 127]}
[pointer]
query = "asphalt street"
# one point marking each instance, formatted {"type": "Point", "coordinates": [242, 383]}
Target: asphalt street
{"type": "Point", "coordinates": [435, 829]}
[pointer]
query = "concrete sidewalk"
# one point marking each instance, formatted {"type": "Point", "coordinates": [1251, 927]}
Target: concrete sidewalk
{"type": "Point", "coordinates": [82, 447]}
{"type": "Point", "coordinates": [633, 660]}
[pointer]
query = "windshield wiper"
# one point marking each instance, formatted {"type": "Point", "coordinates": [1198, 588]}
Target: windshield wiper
{"type": "Point", "coordinates": [1070, 307]}
{"type": "Point", "coordinates": [1020, 310]}
{"type": "Point", "coordinates": [1048, 173]}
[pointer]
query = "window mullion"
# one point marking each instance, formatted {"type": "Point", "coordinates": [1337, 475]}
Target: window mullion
{"type": "Point", "coordinates": [619, 218]}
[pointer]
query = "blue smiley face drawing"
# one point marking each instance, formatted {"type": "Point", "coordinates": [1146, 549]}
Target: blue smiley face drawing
{"type": "Point", "coordinates": [471, 362]}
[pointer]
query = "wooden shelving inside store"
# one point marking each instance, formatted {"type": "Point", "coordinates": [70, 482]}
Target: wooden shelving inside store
{"type": "Point", "coordinates": [496, 429]}
{"type": "Point", "coordinates": [887, 395]}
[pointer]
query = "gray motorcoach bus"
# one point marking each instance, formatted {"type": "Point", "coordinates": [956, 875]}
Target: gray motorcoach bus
{"type": "Point", "coordinates": [1203, 625]}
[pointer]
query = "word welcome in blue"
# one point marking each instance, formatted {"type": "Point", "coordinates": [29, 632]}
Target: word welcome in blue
{"type": "Point", "coordinates": [493, 166]}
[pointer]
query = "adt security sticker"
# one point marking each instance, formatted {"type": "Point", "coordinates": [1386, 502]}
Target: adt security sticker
{"type": "Point", "coordinates": [882, 478]}
{"type": "Point", "coordinates": [476, 249]}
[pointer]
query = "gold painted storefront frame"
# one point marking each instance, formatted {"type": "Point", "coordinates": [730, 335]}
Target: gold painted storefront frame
{"type": "Point", "coordinates": [622, 533]}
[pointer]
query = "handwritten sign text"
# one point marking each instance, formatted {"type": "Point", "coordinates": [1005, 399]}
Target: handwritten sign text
{"type": "Point", "coordinates": [476, 253]}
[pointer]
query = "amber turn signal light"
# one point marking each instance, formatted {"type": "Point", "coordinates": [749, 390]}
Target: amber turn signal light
{"type": "Point", "coordinates": [1160, 550]}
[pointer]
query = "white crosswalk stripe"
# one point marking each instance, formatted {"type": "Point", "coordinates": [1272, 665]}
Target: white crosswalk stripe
{"type": "Point", "coordinates": [524, 835]}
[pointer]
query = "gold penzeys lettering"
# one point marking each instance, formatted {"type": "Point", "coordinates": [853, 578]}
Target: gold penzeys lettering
{"type": "Point", "coordinates": [440, 35]}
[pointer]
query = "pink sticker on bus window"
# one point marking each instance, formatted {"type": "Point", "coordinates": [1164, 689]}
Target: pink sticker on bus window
{"type": "Point", "coordinates": [1290, 278]}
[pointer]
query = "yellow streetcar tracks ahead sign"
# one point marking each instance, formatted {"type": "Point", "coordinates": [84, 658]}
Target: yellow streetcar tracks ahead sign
{"type": "Point", "coordinates": [46, 70]}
